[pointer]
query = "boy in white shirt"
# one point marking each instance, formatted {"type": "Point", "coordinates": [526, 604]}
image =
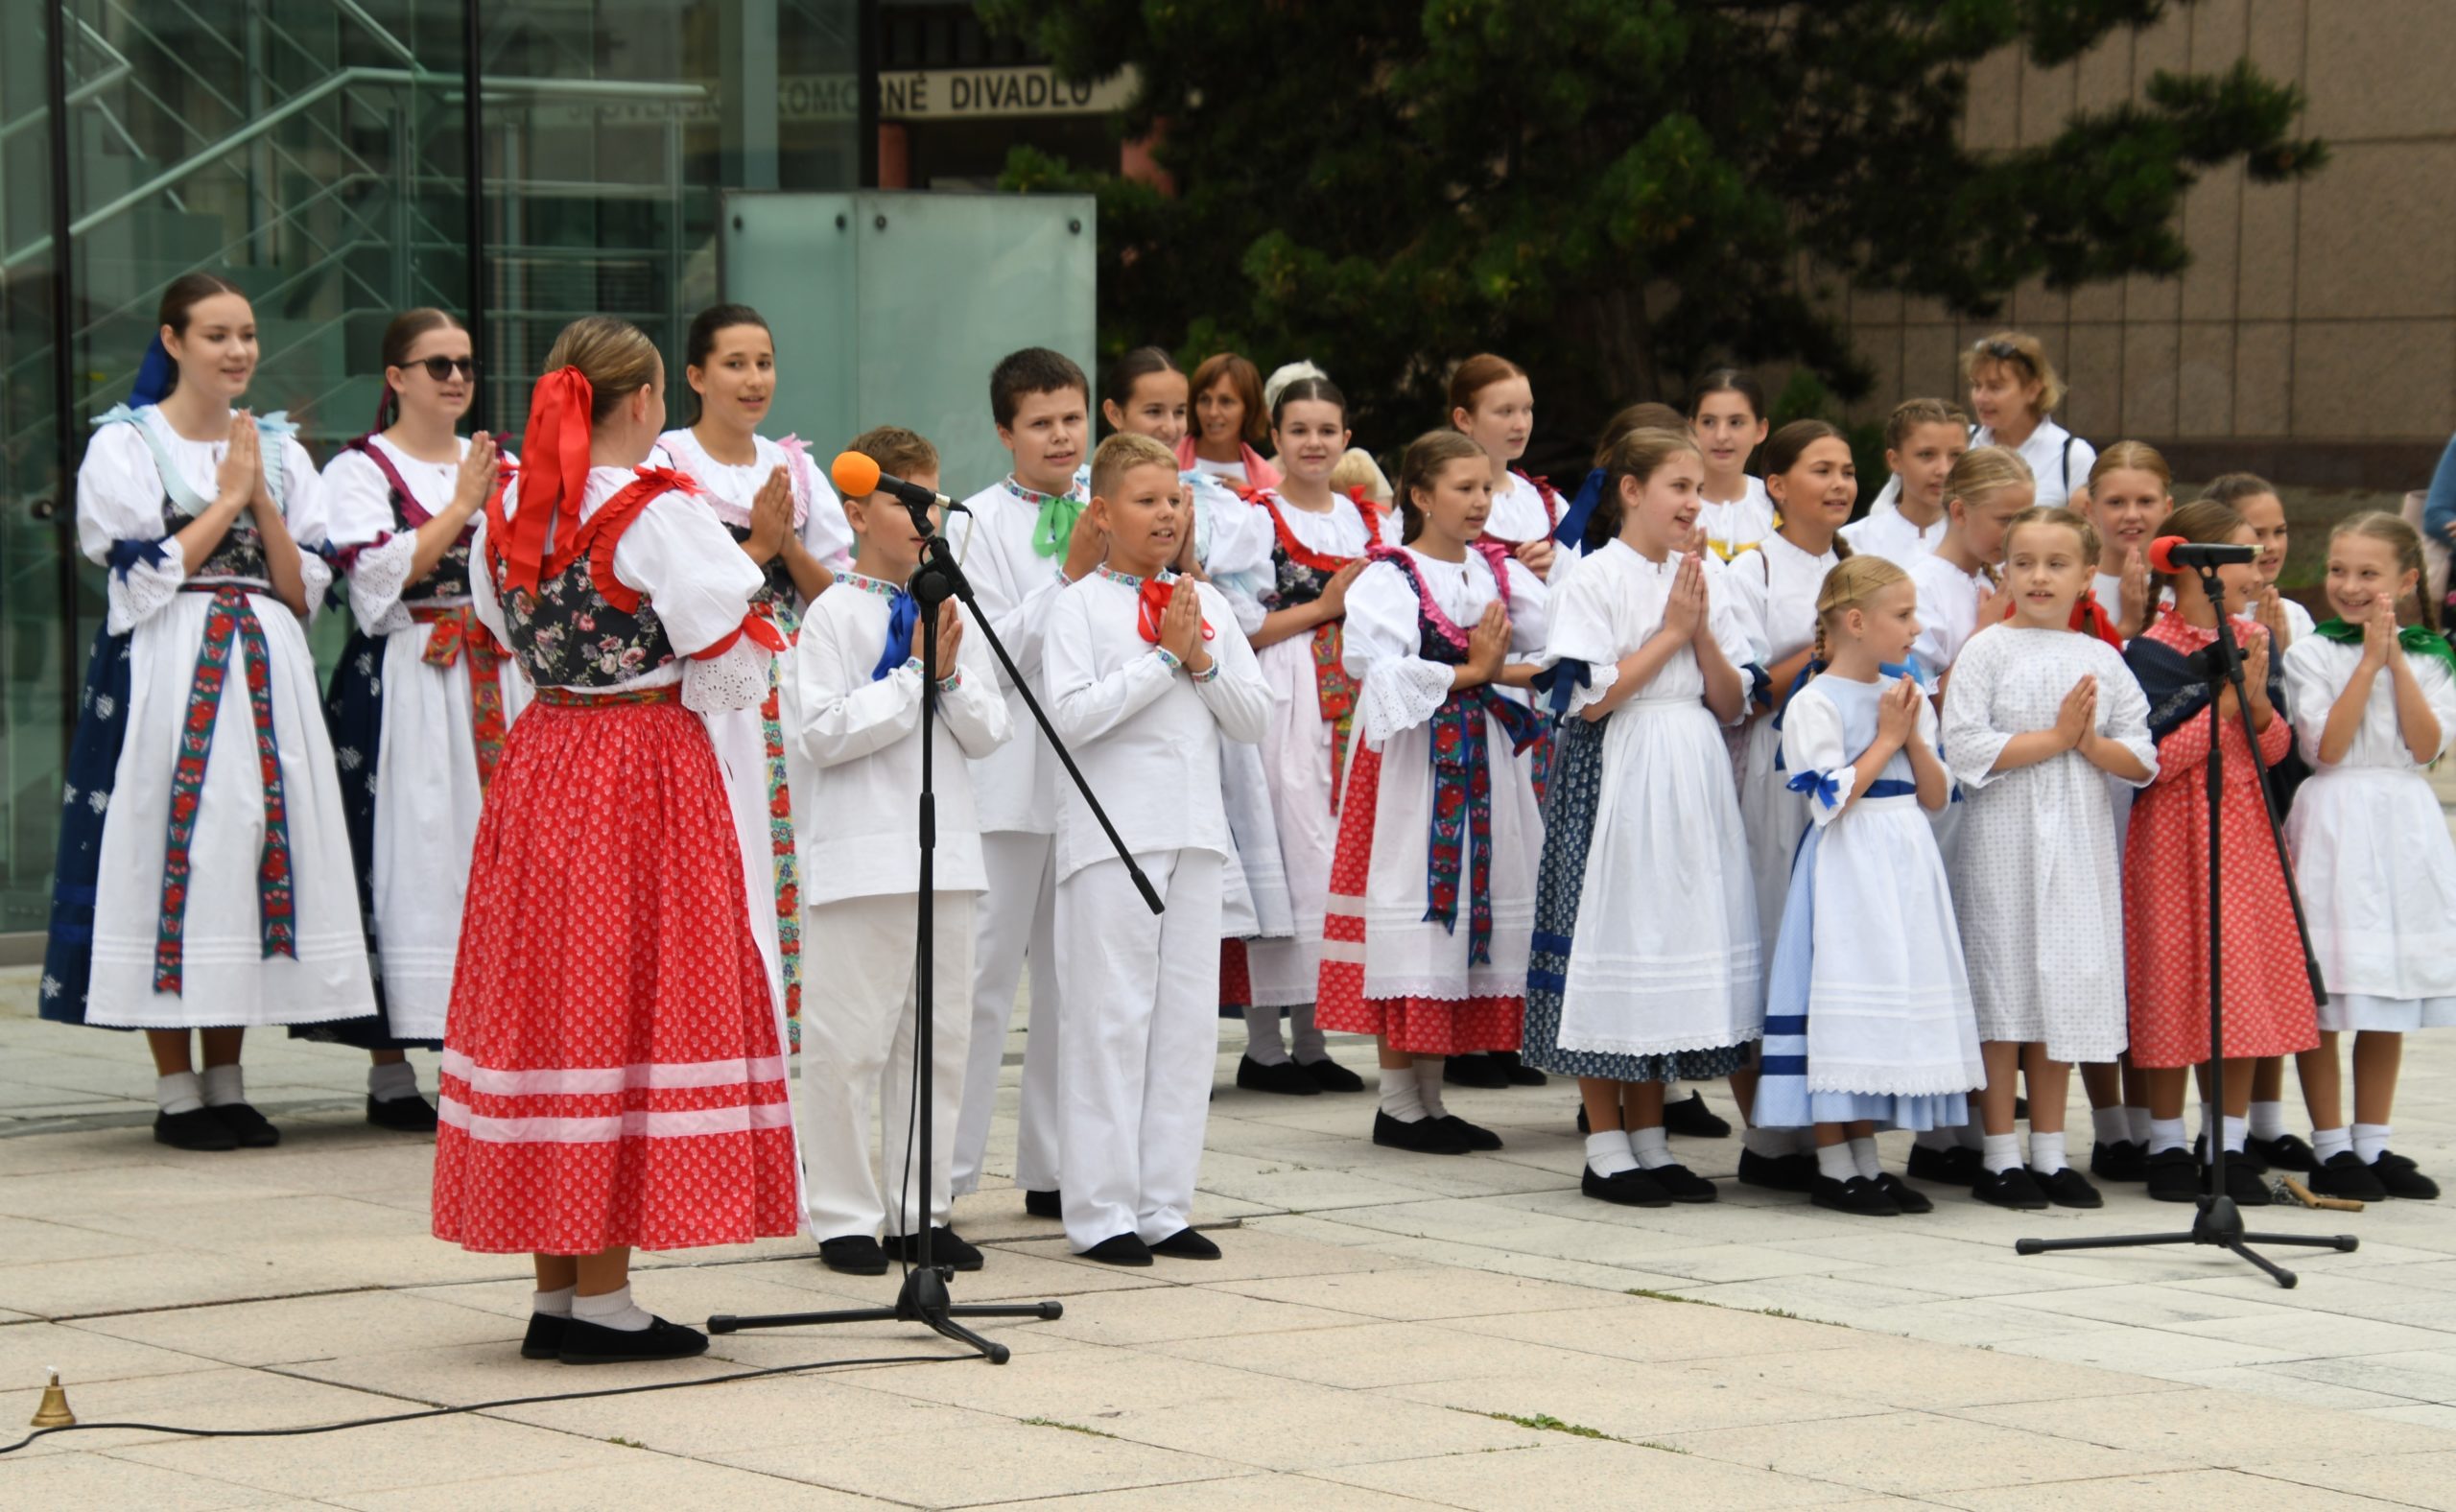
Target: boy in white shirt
{"type": "Point", "coordinates": [857, 674]}
{"type": "Point", "coordinates": [1145, 672]}
{"type": "Point", "coordinates": [1023, 539]}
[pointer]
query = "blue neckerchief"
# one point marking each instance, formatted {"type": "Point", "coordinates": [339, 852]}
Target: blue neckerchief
{"type": "Point", "coordinates": [903, 613]}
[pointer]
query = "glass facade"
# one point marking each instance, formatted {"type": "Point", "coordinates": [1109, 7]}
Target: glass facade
{"type": "Point", "coordinates": [319, 152]}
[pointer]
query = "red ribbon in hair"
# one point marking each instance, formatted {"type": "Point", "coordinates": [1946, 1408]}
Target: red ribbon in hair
{"type": "Point", "coordinates": [553, 482]}
{"type": "Point", "coordinates": [2091, 620]}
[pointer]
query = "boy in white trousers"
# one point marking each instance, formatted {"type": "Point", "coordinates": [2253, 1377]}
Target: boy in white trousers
{"type": "Point", "coordinates": [1022, 540]}
{"type": "Point", "coordinates": [1145, 672]}
{"type": "Point", "coordinates": [857, 680]}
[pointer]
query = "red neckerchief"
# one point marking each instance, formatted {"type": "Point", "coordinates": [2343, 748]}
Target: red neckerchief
{"type": "Point", "coordinates": [1151, 603]}
{"type": "Point", "coordinates": [2089, 618]}
{"type": "Point", "coordinates": [1301, 554]}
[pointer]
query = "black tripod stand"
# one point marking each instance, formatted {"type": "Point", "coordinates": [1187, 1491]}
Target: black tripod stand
{"type": "Point", "coordinates": [924, 1297]}
{"type": "Point", "coordinates": [2219, 1222]}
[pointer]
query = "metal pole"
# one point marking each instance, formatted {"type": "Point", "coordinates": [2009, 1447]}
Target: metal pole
{"type": "Point", "coordinates": [473, 169]}
{"type": "Point", "coordinates": [63, 363]}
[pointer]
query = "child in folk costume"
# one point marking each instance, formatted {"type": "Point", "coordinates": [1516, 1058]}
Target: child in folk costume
{"type": "Point", "coordinates": [2130, 495]}
{"type": "Point", "coordinates": [203, 858]}
{"type": "Point", "coordinates": [856, 674]}
{"type": "Point", "coordinates": [1229, 412]}
{"type": "Point", "coordinates": [1868, 1018]}
{"type": "Point", "coordinates": [1727, 415]}
{"type": "Point", "coordinates": [1145, 395]}
{"type": "Point", "coordinates": [1811, 475]}
{"type": "Point", "coordinates": [1432, 884]}
{"type": "Point", "coordinates": [614, 1059]}
{"type": "Point", "coordinates": [1319, 540]}
{"type": "Point", "coordinates": [1020, 541]}
{"type": "Point", "coordinates": [2375, 703]}
{"type": "Point", "coordinates": [2254, 498]}
{"type": "Point", "coordinates": [2269, 1008]}
{"type": "Point", "coordinates": [421, 699]}
{"type": "Point", "coordinates": [1664, 983]}
{"type": "Point", "coordinates": [1146, 671]}
{"type": "Point", "coordinates": [1570, 534]}
{"type": "Point", "coordinates": [1922, 440]}
{"type": "Point", "coordinates": [772, 500]}
{"type": "Point", "coordinates": [2039, 716]}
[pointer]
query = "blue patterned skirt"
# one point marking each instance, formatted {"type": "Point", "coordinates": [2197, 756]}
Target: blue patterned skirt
{"type": "Point", "coordinates": [1576, 784]}
{"type": "Point", "coordinates": [93, 767]}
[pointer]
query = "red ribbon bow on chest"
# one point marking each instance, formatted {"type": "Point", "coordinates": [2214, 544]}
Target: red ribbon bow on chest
{"type": "Point", "coordinates": [1151, 603]}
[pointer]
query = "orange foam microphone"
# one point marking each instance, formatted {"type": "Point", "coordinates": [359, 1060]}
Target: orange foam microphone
{"type": "Point", "coordinates": [857, 476]}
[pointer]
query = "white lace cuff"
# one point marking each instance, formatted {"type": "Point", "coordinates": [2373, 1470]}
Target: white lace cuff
{"type": "Point", "coordinates": [377, 574]}
{"type": "Point", "coordinates": [315, 575]}
{"type": "Point", "coordinates": [1401, 695]}
{"type": "Point", "coordinates": [1599, 679]}
{"type": "Point", "coordinates": [736, 678]}
{"type": "Point", "coordinates": [145, 587]}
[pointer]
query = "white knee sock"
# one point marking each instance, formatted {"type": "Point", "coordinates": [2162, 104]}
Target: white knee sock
{"type": "Point", "coordinates": [2235, 1130]}
{"type": "Point", "coordinates": [555, 1304]}
{"type": "Point", "coordinates": [1652, 1148]}
{"type": "Point", "coordinates": [179, 1092]}
{"type": "Point", "coordinates": [614, 1310]}
{"type": "Point", "coordinates": [2047, 1152]}
{"type": "Point", "coordinates": [2369, 1142]}
{"type": "Point", "coordinates": [1429, 1085]}
{"type": "Point", "coordinates": [2165, 1134]}
{"type": "Point", "coordinates": [1264, 1045]}
{"type": "Point", "coordinates": [2110, 1126]}
{"type": "Point", "coordinates": [224, 1085]}
{"type": "Point", "coordinates": [391, 1081]}
{"type": "Point", "coordinates": [1765, 1143]}
{"type": "Point", "coordinates": [1863, 1157]}
{"type": "Point", "coordinates": [2325, 1143]}
{"type": "Point", "coordinates": [1608, 1153]}
{"type": "Point", "coordinates": [2001, 1152]}
{"type": "Point", "coordinates": [2141, 1121]}
{"type": "Point", "coordinates": [1306, 1035]}
{"type": "Point", "coordinates": [1400, 1097]}
{"type": "Point", "coordinates": [2268, 1119]}
{"type": "Point", "coordinates": [1835, 1161]}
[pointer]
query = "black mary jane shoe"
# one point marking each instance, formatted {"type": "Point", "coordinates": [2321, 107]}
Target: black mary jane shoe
{"type": "Point", "coordinates": [1187, 1244]}
{"type": "Point", "coordinates": [2119, 1160]}
{"type": "Point", "coordinates": [1422, 1137]}
{"type": "Point", "coordinates": [2068, 1188]}
{"type": "Point", "coordinates": [1633, 1188]}
{"type": "Point", "coordinates": [1472, 1135]}
{"type": "Point", "coordinates": [2245, 1157]}
{"type": "Point", "coordinates": [2343, 1174]}
{"type": "Point", "coordinates": [2014, 1188]}
{"type": "Point", "coordinates": [1475, 1071]}
{"type": "Point", "coordinates": [946, 1248]}
{"type": "Point", "coordinates": [1331, 1077]}
{"type": "Point", "coordinates": [1515, 1070]}
{"type": "Point", "coordinates": [410, 1115]}
{"type": "Point", "coordinates": [2402, 1178]}
{"type": "Point", "coordinates": [586, 1343]}
{"type": "Point", "coordinates": [1286, 1079]}
{"type": "Point", "coordinates": [853, 1254]}
{"type": "Point", "coordinates": [2246, 1183]}
{"type": "Point", "coordinates": [2172, 1175]}
{"type": "Point", "coordinates": [251, 1128]}
{"type": "Point", "coordinates": [1957, 1166]}
{"type": "Point", "coordinates": [1049, 1204]}
{"type": "Point", "coordinates": [194, 1129]}
{"type": "Point", "coordinates": [1120, 1249]}
{"type": "Point", "coordinates": [544, 1339]}
{"type": "Point", "coordinates": [1682, 1184]}
{"type": "Point", "coordinates": [1691, 1119]}
{"type": "Point", "coordinates": [1792, 1172]}
{"type": "Point", "coordinates": [2285, 1152]}
{"type": "Point", "coordinates": [1861, 1196]}
{"type": "Point", "coordinates": [1905, 1196]}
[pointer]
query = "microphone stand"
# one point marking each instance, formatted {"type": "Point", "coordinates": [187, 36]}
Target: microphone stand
{"type": "Point", "coordinates": [923, 1298]}
{"type": "Point", "coordinates": [2218, 1221]}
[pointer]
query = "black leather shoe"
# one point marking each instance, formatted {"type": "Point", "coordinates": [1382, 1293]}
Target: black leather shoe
{"type": "Point", "coordinates": [1331, 1077]}
{"type": "Point", "coordinates": [947, 1247]}
{"type": "Point", "coordinates": [2343, 1174]}
{"type": "Point", "coordinates": [2233, 1157]}
{"type": "Point", "coordinates": [1422, 1137]}
{"type": "Point", "coordinates": [2403, 1178]}
{"type": "Point", "coordinates": [410, 1115]}
{"type": "Point", "coordinates": [2016, 1188]}
{"type": "Point", "coordinates": [545, 1337]}
{"type": "Point", "coordinates": [1475, 1071]}
{"type": "Point", "coordinates": [1792, 1172]}
{"type": "Point", "coordinates": [2285, 1152]}
{"type": "Point", "coordinates": [1861, 1196]}
{"type": "Point", "coordinates": [586, 1343]}
{"type": "Point", "coordinates": [1630, 1189]}
{"type": "Point", "coordinates": [853, 1254]}
{"type": "Point", "coordinates": [2245, 1183]}
{"type": "Point", "coordinates": [194, 1129]}
{"type": "Point", "coordinates": [1957, 1166]}
{"type": "Point", "coordinates": [1582, 1129]}
{"type": "Point", "coordinates": [1048, 1204]}
{"type": "Point", "coordinates": [1517, 1072]}
{"type": "Point", "coordinates": [1683, 1184]}
{"type": "Point", "coordinates": [1288, 1079]}
{"type": "Point", "coordinates": [1187, 1244]}
{"type": "Point", "coordinates": [2068, 1188]}
{"type": "Point", "coordinates": [1120, 1249]}
{"type": "Point", "coordinates": [2119, 1160]}
{"type": "Point", "coordinates": [1905, 1196]}
{"type": "Point", "coordinates": [251, 1128]}
{"type": "Point", "coordinates": [1471, 1135]}
{"type": "Point", "coordinates": [1691, 1119]}
{"type": "Point", "coordinates": [2173, 1177]}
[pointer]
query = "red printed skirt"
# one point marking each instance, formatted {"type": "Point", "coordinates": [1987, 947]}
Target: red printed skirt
{"type": "Point", "coordinates": [612, 1070]}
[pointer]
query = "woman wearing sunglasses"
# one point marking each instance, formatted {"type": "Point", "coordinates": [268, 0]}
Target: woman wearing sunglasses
{"type": "Point", "coordinates": [422, 696]}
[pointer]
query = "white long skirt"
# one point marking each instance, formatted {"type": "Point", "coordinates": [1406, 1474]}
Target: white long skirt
{"type": "Point", "coordinates": [427, 802]}
{"type": "Point", "coordinates": [2377, 875]}
{"type": "Point", "coordinates": [1295, 755]}
{"type": "Point", "coordinates": [225, 979]}
{"type": "Point", "coordinates": [742, 755]}
{"type": "Point", "coordinates": [1776, 817]}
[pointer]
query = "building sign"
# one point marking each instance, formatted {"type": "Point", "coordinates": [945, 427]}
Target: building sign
{"type": "Point", "coordinates": [940, 94]}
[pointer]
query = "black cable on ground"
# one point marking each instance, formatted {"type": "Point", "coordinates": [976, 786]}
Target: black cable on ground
{"type": "Point", "coordinates": [485, 1406]}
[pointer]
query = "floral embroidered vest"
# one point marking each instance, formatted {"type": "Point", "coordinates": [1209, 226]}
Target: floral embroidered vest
{"type": "Point", "coordinates": [1298, 573]}
{"type": "Point", "coordinates": [569, 633]}
{"type": "Point", "coordinates": [240, 553]}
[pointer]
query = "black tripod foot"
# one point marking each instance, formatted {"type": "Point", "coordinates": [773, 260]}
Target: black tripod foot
{"type": "Point", "coordinates": [923, 1300]}
{"type": "Point", "coordinates": [2218, 1224]}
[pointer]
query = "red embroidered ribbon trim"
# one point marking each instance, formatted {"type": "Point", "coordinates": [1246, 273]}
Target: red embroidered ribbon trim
{"type": "Point", "coordinates": [457, 631]}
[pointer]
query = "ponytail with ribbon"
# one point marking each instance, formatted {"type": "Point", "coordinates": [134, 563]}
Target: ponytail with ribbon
{"type": "Point", "coordinates": [155, 376]}
{"type": "Point", "coordinates": [553, 477]}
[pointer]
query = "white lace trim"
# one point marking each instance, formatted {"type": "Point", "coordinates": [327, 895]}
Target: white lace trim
{"type": "Point", "coordinates": [736, 679]}
{"type": "Point", "coordinates": [315, 575]}
{"type": "Point", "coordinates": [1400, 695]}
{"type": "Point", "coordinates": [376, 578]}
{"type": "Point", "coordinates": [1599, 679]}
{"type": "Point", "coordinates": [145, 588]}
